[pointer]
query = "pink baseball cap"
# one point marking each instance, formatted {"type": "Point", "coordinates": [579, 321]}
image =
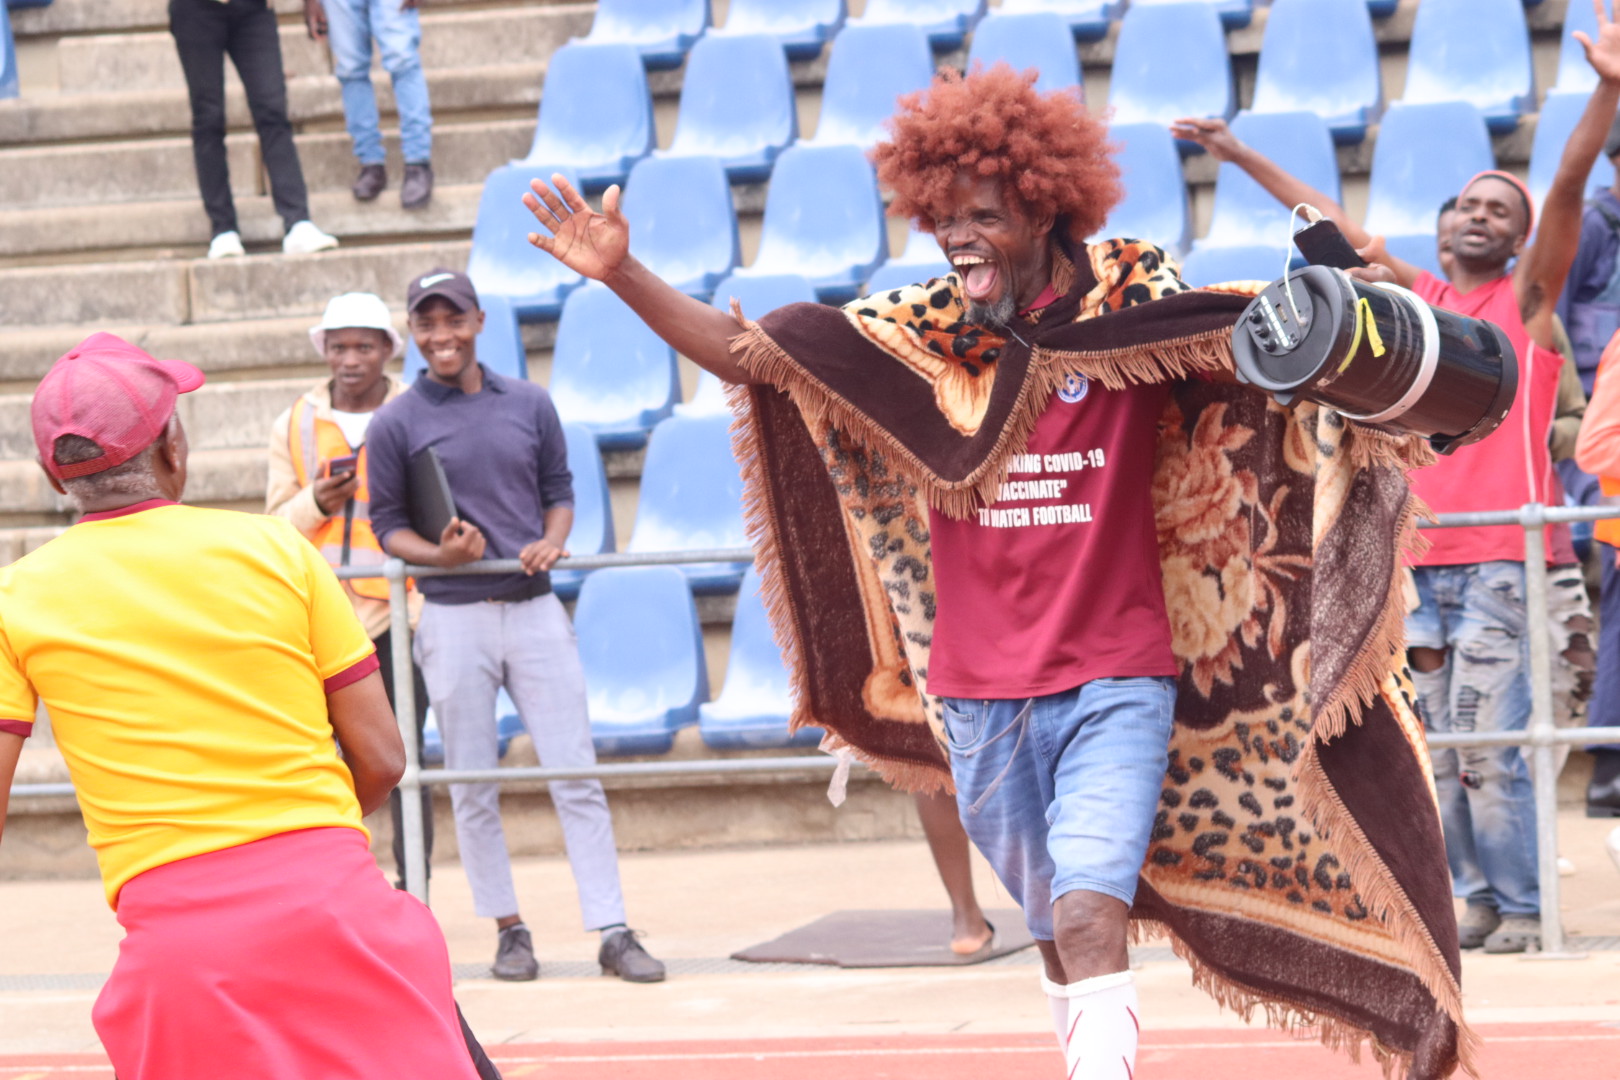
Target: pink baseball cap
{"type": "Point", "coordinates": [110, 392]}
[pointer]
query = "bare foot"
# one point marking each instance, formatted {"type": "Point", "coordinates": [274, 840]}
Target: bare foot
{"type": "Point", "coordinates": [967, 941]}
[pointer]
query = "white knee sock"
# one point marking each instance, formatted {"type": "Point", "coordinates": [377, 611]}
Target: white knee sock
{"type": "Point", "coordinates": [1060, 1013]}
{"type": "Point", "coordinates": [1100, 1043]}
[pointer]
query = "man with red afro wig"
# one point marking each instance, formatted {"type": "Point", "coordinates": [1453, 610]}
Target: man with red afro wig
{"type": "Point", "coordinates": [1051, 644]}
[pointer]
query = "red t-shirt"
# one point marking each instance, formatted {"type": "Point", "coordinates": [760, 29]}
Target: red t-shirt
{"type": "Point", "coordinates": [1512, 465]}
{"type": "Point", "coordinates": [1057, 583]}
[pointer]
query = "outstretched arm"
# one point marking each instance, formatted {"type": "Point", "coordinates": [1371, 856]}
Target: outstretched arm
{"type": "Point", "coordinates": [597, 245]}
{"type": "Point", "coordinates": [1216, 138]}
{"type": "Point", "coordinates": [1540, 274]}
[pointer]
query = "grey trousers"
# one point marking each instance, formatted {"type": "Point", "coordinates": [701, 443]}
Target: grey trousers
{"type": "Point", "coordinates": [467, 653]}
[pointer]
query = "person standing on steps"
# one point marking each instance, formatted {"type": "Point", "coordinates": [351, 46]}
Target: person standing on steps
{"type": "Point", "coordinates": [317, 481]}
{"type": "Point", "coordinates": [1467, 642]}
{"type": "Point", "coordinates": [350, 26]}
{"type": "Point", "coordinates": [503, 453]}
{"type": "Point", "coordinates": [205, 32]}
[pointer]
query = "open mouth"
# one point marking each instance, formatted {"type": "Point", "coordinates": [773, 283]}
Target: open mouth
{"type": "Point", "coordinates": [979, 275]}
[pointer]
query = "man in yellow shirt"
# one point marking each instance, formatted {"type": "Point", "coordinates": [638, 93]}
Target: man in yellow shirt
{"type": "Point", "coordinates": [203, 669]}
{"type": "Point", "coordinates": [318, 480]}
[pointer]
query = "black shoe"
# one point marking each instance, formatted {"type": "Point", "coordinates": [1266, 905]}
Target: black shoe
{"type": "Point", "coordinates": [417, 187]}
{"type": "Point", "coordinates": [369, 184]}
{"type": "Point", "coordinates": [622, 955]}
{"type": "Point", "coordinates": [514, 957]}
{"type": "Point", "coordinates": [1603, 793]}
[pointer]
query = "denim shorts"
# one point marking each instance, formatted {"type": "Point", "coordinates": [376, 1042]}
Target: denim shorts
{"type": "Point", "coordinates": [1059, 792]}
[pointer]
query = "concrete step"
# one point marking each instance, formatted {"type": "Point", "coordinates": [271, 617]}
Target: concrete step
{"type": "Point", "coordinates": [104, 63]}
{"type": "Point", "coordinates": [180, 291]}
{"type": "Point", "coordinates": [227, 351]}
{"type": "Point", "coordinates": [109, 16]}
{"type": "Point", "coordinates": [311, 98]}
{"type": "Point", "coordinates": [19, 540]}
{"type": "Point", "coordinates": [234, 476]}
{"type": "Point", "coordinates": [144, 170]}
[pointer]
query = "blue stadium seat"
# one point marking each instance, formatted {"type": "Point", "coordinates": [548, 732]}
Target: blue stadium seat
{"type": "Point", "coordinates": [1245, 213]}
{"type": "Point", "coordinates": [593, 508]}
{"type": "Point", "coordinates": [1559, 112]}
{"type": "Point", "coordinates": [642, 650]}
{"type": "Point", "coordinates": [500, 342]}
{"type": "Point", "coordinates": [1419, 249]}
{"type": "Point", "coordinates": [19, 4]}
{"type": "Point", "coordinates": [1424, 155]}
{"type": "Point", "coordinates": [682, 223]}
{"type": "Point", "coordinates": [1235, 14]}
{"type": "Point", "coordinates": [868, 68]}
{"type": "Point", "coordinates": [1320, 56]}
{"type": "Point", "coordinates": [596, 113]}
{"type": "Point", "coordinates": [609, 372]}
{"type": "Point", "coordinates": [1155, 205]}
{"type": "Point", "coordinates": [1477, 51]}
{"type": "Point", "coordinates": [1038, 40]}
{"type": "Point", "coordinates": [753, 708]}
{"type": "Point", "coordinates": [757, 295]}
{"type": "Point", "coordinates": [1575, 75]}
{"type": "Point", "coordinates": [1157, 39]}
{"type": "Point", "coordinates": [895, 275]}
{"type": "Point", "coordinates": [8, 58]}
{"type": "Point", "coordinates": [823, 219]}
{"type": "Point", "coordinates": [945, 22]}
{"type": "Point", "coordinates": [660, 30]}
{"type": "Point", "coordinates": [691, 498]}
{"type": "Point", "coordinates": [737, 104]}
{"type": "Point", "coordinates": [1257, 262]}
{"type": "Point", "coordinates": [802, 26]}
{"type": "Point", "coordinates": [503, 262]}
{"type": "Point", "coordinates": [1087, 19]}
{"type": "Point", "coordinates": [1383, 9]}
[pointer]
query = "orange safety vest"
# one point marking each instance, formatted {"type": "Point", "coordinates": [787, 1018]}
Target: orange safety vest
{"type": "Point", "coordinates": [1607, 530]}
{"type": "Point", "coordinates": [345, 539]}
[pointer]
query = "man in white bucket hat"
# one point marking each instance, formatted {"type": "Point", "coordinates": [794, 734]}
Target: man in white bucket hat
{"type": "Point", "coordinates": [318, 477]}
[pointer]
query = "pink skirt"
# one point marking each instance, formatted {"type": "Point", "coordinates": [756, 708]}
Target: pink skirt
{"type": "Point", "coordinates": [290, 958]}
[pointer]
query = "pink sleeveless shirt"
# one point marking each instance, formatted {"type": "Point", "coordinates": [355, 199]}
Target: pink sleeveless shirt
{"type": "Point", "coordinates": [1512, 465]}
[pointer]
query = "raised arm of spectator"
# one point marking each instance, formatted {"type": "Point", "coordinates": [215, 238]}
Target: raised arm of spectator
{"type": "Point", "coordinates": [1540, 274]}
{"type": "Point", "coordinates": [597, 245]}
{"type": "Point", "coordinates": [1217, 139]}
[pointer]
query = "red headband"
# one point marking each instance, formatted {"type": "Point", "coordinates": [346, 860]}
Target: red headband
{"type": "Point", "coordinates": [1524, 192]}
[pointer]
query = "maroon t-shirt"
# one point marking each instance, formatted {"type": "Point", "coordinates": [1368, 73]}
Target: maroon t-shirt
{"type": "Point", "coordinates": [1057, 583]}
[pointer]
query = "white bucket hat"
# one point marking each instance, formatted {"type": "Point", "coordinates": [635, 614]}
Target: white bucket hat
{"type": "Point", "coordinates": [356, 310]}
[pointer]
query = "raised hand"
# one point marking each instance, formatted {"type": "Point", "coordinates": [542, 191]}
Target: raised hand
{"type": "Point", "coordinates": [1209, 132]}
{"type": "Point", "coordinates": [586, 242]}
{"type": "Point", "coordinates": [1604, 53]}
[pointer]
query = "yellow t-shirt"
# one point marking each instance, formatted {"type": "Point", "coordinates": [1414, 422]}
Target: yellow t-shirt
{"type": "Point", "coordinates": [184, 656]}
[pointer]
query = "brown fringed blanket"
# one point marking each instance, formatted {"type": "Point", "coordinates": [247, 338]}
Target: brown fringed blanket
{"type": "Point", "coordinates": [1297, 861]}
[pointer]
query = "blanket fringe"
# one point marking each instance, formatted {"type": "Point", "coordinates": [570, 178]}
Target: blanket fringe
{"type": "Point", "coordinates": [1322, 806]}
{"type": "Point", "coordinates": [1364, 678]}
{"type": "Point", "coordinates": [780, 611]}
{"type": "Point", "coordinates": [1116, 369]}
{"type": "Point", "coordinates": [1338, 1035]}
{"type": "Point", "coordinates": [1370, 448]}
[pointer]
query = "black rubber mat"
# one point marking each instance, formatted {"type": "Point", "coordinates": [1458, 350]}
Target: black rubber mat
{"type": "Point", "coordinates": [871, 939]}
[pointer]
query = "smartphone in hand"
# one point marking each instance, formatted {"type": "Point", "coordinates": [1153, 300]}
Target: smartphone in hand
{"type": "Point", "coordinates": [340, 466]}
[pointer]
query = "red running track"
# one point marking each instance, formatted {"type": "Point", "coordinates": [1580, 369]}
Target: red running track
{"type": "Point", "coordinates": [1565, 1051]}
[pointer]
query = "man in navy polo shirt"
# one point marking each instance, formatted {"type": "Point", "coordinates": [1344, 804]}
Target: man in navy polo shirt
{"type": "Point", "coordinates": [503, 453]}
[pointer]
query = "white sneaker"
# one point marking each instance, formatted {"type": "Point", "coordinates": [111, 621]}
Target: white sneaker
{"type": "Point", "coordinates": [1613, 844]}
{"type": "Point", "coordinates": [225, 245]}
{"type": "Point", "coordinates": [305, 239]}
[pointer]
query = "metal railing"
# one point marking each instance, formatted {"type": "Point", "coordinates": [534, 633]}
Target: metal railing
{"type": "Point", "coordinates": [1540, 738]}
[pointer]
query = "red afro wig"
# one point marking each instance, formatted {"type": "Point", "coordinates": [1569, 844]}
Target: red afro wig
{"type": "Point", "coordinates": [1047, 150]}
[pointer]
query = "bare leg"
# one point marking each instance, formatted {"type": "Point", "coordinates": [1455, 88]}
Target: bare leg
{"type": "Point", "coordinates": [949, 845]}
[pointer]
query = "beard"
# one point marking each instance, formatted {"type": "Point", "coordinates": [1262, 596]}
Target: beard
{"type": "Point", "coordinates": [993, 316]}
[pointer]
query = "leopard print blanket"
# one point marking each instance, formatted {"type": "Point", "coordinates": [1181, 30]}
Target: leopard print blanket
{"type": "Point", "coordinates": [1297, 861]}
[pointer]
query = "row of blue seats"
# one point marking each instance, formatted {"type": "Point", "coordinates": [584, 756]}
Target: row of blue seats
{"type": "Point", "coordinates": [664, 30]}
{"type": "Point", "coordinates": [8, 57]}
{"type": "Point", "coordinates": [646, 678]}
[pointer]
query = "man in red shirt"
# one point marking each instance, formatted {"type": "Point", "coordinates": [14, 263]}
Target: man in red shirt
{"type": "Point", "coordinates": [1468, 646]}
{"type": "Point", "coordinates": [1051, 643]}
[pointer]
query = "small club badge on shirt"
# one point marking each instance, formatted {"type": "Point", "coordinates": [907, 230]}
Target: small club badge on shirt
{"type": "Point", "coordinates": [1074, 388]}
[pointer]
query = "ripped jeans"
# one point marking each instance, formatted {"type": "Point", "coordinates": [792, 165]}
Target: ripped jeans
{"type": "Point", "coordinates": [1476, 612]}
